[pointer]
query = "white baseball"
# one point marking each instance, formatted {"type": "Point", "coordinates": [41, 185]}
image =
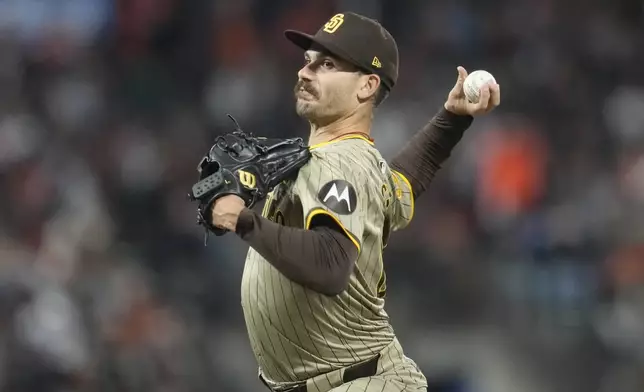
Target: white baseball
{"type": "Point", "coordinates": [474, 81]}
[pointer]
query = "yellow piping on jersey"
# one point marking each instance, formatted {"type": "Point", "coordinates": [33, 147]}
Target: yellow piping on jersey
{"type": "Point", "coordinates": [320, 211]}
{"type": "Point", "coordinates": [267, 203]}
{"type": "Point", "coordinates": [346, 137]}
{"type": "Point", "coordinates": [411, 192]}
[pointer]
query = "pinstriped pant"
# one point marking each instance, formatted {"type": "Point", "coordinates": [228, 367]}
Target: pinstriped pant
{"type": "Point", "coordinates": [395, 373]}
{"type": "Point", "coordinates": [376, 384]}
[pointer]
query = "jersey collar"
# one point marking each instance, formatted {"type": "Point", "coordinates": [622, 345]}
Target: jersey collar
{"type": "Point", "coordinates": [345, 137]}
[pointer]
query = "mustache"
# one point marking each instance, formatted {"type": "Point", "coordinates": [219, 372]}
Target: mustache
{"type": "Point", "coordinates": [308, 88]}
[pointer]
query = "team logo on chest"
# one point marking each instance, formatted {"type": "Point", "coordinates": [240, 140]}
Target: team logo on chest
{"type": "Point", "coordinates": [339, 196]}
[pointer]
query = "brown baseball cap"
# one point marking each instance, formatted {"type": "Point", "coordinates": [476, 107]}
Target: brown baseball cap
{"type": "Point", "coordinates": [357, 39]}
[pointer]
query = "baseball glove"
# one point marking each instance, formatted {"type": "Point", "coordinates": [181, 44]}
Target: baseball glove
{"type": "Point", "coordinates": [244, 165]}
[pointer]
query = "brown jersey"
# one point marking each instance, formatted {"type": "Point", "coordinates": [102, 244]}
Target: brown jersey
{"type": "Point", "coordinates": [297, 333]}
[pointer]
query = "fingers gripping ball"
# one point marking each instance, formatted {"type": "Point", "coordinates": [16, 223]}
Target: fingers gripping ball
{"type": "Point", "coordinates": [244, 165]}
{"type": "Point", "coordinates": [473, 83]}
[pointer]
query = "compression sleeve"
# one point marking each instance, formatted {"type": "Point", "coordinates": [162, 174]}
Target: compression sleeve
{"type": "Point", "coordinates": [320, 258]}
{"type": "Point", "coordinates": [422, 157]}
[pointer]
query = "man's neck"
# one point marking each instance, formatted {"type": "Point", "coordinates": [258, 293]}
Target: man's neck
{"type": "Point", "coordinates": [354, 123]}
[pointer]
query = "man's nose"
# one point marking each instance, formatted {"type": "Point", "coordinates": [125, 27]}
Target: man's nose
{"type": "Point", "coordinates": [305, 73]}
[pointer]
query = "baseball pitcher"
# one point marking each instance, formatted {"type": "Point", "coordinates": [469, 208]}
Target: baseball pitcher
{"type": "Point", "coordinates": [314, 283]}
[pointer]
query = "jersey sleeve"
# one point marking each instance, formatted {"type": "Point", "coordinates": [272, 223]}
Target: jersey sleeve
{"type": "Point", "coordinates": [331, 192]}
{"type": "Point", "coordinates": [403, 201]}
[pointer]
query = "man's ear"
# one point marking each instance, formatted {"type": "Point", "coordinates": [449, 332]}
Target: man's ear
{"type": "Point", "coordinates": [368, 86]}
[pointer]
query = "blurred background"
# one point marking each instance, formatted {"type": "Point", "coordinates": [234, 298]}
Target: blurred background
{"type": "Point", "coordinates": [523, 269]}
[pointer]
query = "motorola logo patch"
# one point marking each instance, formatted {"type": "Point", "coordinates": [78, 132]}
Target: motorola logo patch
{"type": "Point", "coordinates": [339, 196]}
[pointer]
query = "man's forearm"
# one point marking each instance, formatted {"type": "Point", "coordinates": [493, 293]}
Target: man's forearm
{"type": "Point", "coordinates": [424, 154]}
{"type": "Point", "coordinates": [320, 259]}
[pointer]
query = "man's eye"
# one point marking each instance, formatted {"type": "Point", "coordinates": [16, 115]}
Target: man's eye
{"type": "Point", "coordinates": [327, 64]}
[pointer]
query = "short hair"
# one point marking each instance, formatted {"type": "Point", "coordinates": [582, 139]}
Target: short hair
{"type": "Point", "coordinates": [381, 94]}
{"type": "Point", "coordinates": [383, 91]}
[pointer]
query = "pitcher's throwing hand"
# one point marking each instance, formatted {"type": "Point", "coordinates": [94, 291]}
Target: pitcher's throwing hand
{"type": "Point", "coordinates": [457, 102]}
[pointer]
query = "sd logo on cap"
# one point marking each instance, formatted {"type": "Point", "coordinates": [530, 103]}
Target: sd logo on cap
{"type": "Point", "coordinates": [334, 23]}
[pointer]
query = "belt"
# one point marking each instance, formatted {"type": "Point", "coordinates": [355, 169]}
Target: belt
{"type": "Point", "coordinates": [351, 373]}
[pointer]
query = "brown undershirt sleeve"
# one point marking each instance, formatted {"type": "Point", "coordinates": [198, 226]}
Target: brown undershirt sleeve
{"type": "Point", "coordinates": [320, 259]}
{"type": "Point", "coordinates": [424, 154]}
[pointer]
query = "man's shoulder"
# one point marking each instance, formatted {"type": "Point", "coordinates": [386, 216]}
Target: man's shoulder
{"type": "Point", "coordinates": [337, 162]}
{"type": "Point", "coordinates": [345, 143]}
{"type": "Point", "coordinates": [356, 152]}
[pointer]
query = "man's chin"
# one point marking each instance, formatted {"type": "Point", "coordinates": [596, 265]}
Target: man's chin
{"type": "Point", "coordinates": [304, 109]}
